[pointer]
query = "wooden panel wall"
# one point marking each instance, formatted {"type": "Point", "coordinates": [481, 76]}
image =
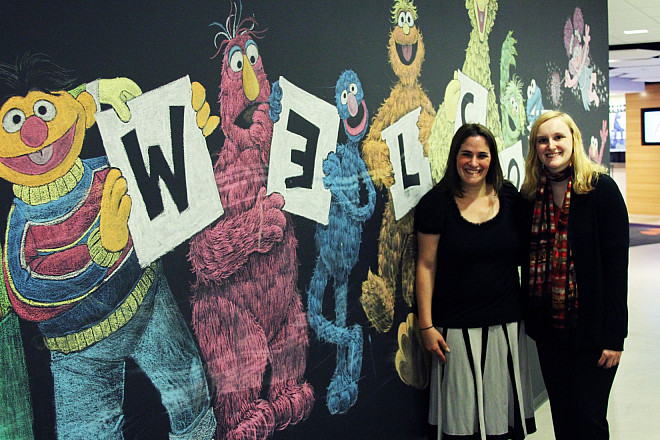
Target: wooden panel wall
{"type": "Point", "coordinates": [642, 161]}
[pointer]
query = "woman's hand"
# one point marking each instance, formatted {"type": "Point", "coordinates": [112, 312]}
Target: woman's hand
{"type": "Point", "coordinates": [609, 359]}
{"type": "Point", "coordinates": [435, 343]}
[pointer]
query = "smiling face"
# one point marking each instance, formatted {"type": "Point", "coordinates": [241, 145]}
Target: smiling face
{"type": "Point", "coordinates": [406, 45]}
{"type": "Point", "coordinates": [42, 135]}
{"type": "Point", "coordinates": [351, 107]}
{"type": "Point", "coordinates": [554, 145]}
{"type": "Point", "coordinates": [473, 161]}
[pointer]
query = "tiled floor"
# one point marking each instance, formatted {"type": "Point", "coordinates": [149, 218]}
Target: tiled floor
{"type": "Point", "coordinates": [634, 410]}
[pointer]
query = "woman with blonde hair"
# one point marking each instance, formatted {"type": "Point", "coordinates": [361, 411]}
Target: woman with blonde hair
{"type": "Point", "coordinates": [576, 277]}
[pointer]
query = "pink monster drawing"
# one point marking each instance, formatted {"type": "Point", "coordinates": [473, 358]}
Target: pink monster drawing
{"type": "Point", "coordinates": [247, 313]}
{"type": "Point", "coordinates": [580, 73]}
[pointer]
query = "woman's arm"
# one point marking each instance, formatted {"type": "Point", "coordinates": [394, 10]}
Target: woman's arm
{"type": "Point", "coordinates": [426, 266]}
{"type": "Point", "coordinates": [613, 234]}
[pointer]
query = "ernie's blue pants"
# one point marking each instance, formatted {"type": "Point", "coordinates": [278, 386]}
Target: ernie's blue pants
{"type": "Point", "coordinates": [89, 384]}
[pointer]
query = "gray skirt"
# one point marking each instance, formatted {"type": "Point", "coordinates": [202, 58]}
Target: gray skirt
{"type": "Point", "coordinates": [484, 390]}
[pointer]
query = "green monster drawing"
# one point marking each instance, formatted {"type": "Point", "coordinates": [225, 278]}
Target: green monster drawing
{"type": "Point", "coordinates": [477, 67]}
{"type": "Point", "coordinates": [512, 105]}
{"type": "Point", "coordinates": [16, 410]}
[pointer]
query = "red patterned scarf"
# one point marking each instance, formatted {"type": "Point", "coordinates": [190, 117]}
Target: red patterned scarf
{"type": "Point", "coordinates": [552, 282]}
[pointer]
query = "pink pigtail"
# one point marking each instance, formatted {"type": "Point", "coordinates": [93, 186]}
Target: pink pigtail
{"type": "Point", "coordinates": [578, 21]}
{"type": "Point", "coordinates": [568, 33]}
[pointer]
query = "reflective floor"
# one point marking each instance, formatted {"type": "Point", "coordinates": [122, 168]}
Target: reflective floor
{"type": "Point", "coordinates": [634, 410]}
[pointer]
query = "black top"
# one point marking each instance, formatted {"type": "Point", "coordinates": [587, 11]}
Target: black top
{"type": "Point", "coordinates": [599, 237]}
{"type": "Point", "coordinates": [476, 281]}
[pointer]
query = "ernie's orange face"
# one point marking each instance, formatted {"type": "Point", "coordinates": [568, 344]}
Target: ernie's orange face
{"type": "Point", "coordinates": [42, 135]}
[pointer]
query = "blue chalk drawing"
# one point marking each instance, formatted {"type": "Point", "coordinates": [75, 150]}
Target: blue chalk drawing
{"type": "Point", "coordinates": [338, 243]}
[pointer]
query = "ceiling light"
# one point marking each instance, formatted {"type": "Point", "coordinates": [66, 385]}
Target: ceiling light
{"type": "Point", "coordinates": [636, 31]}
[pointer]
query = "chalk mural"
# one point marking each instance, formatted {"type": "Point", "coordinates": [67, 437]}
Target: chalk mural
{"type": "Point", "coordinates": [208, 206]}
{"type": "Point", "coordinates": [338, 243]}
{"type": "Point", "coordinates": [247, 310]}
{"type": "Point", "coordinates": [70, 266]}
{"type": "Point", "coordinates": [396, 244]}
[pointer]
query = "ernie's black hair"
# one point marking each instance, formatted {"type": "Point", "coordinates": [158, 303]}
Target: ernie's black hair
{"type": "Point", "coordinates": [33, 72]}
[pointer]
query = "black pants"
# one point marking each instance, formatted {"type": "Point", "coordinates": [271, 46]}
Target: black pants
{"type": "Point", "coordinates": [578, 390]}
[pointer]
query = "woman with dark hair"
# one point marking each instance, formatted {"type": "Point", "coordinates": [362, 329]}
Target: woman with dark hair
{"type": "Point", "coordinates": [576, 277]}
{"type": "Point", "coordinates": [467, 296]}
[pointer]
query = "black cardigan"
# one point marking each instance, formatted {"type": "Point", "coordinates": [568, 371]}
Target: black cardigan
{"type": "Point", "coordinates": [599, 238]}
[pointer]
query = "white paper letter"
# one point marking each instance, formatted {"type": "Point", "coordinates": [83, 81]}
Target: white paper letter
{"type": "Point", "coordinates": [512, 163]}
{"type": "Point", "coordinates": [302, 138]}
{"type": "Point", "coordinates": [473, 102]}
{"type": "Point", "coordinates": [412, 172]}
{"type": "Point", "coordinates": [162, 154]}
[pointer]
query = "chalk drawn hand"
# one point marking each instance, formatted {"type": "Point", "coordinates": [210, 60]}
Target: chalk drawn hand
{"type": "Point", "coordinates": [331, 169]}
{"type": "Point", "coordinates": [261, 130]}
{"type": "Point", "coordinates": [604, 132]}
{"type": "Point", "coordinates": [275, 102]}
{"type": "Point", "coordinates": [452, 95]}
{"type": "Point", "coordinates": [205, 122]}
{"type": "Point", "coordinates": [586, 38]}
{"type": "Point", "coordinates": [115, 209]}
{"type": "Point", "coordinates": [377, 158]}
{"type": "Point", "coordinates": [269, 220]}
{"type": "Point", "coordinates": [116, 92]}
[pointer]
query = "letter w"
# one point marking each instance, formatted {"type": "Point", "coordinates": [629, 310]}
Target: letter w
{"type": "Point", "coordinates": [159, 168]}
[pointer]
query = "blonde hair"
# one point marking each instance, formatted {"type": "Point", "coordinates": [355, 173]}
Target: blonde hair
{"type": "Point", "coordinates": [584, 169]}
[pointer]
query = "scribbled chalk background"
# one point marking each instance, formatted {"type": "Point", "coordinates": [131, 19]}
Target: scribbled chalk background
{"type": "Point", "coordinates": [310, 44]}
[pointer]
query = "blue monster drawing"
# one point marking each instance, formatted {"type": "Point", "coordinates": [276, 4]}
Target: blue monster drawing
{"type": "Point", "coordinates": [534, 103]}
{"type": "Point", "coordinates": [338, 243]}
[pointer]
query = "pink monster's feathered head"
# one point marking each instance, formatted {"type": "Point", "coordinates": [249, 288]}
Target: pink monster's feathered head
{"type": "Point", "coordinates": [573, 31]}
{"type": "Point", "coordinates": [244, 84]}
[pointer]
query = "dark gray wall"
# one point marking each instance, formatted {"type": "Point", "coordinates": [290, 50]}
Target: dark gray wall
{"type": "Point", "coordinates": [310, 44]}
